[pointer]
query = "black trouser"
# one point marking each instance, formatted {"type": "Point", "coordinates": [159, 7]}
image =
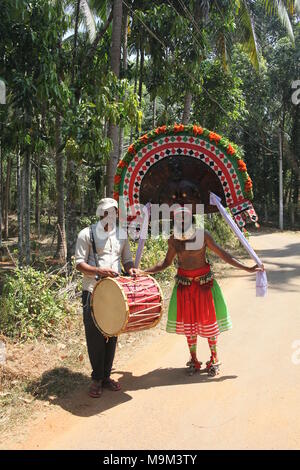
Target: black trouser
{"type": "Point", "coordinates": [101, 351]}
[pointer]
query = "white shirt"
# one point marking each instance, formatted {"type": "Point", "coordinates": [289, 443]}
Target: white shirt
{"type": "Point", "coordinates": [111, 250]}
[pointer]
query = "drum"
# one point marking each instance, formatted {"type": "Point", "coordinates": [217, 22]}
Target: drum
{"type": "Point", "coordinates": [126, 304]}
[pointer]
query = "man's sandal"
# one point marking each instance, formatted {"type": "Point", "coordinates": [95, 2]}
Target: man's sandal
{"type": "Point", "coordinates": [111, 384]}
{"type": "Point", "coordinates": [95, 390]}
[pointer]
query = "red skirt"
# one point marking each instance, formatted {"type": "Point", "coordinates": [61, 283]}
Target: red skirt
{"type": "Point", "coordinates": [196, 313]}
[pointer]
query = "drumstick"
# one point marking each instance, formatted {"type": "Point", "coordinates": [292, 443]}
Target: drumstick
{"type": "Point", "coordinates": [145, 273]}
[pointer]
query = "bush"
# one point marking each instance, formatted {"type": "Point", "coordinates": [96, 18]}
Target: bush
{"type": "Point", "coordinates": [86, 221]}
{"type": "Point", "coordinates": [32, 303]}
{"type": "Point", "coordinates": [155, 250]}
{"type": "Point", "coordinates": [220, 231]}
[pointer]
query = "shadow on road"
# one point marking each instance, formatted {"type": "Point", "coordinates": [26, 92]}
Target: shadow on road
{"type": "Point", "coordinates": [166, 377]}
{"type": "Point", "coordinates": [53, 385]}
{"type": "Point", "coordinates": [292, 249]}
{"type": "Point", "coordinates": [282, 273]}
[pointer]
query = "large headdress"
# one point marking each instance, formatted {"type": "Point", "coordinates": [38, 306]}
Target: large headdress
{"type": "Point", "coordinates": [183, 164]}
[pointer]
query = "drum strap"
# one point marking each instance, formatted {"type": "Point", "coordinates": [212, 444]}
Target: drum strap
{"type": "Point", "coordinates": [96, 263]}
{"type": "Point", "coordinates": [94, 247]}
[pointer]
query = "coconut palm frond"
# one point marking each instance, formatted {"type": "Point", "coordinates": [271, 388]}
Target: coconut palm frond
{"type": "Point", "coordinates": [270, 6]}
{"type": "Point", "coordinates": [246, 33]}
{"type": "Point", "coordinates": [204, 7]}
{"type": "Point", "coordinates": [291, 5]}
{"type": "Point", "coordinates": [297, 6]}
{"type": "Point", "coordinates": [282, 8]}
{"type": "Point", "coordinates": [285, 19]}
{"type": "Point", "coordinates": [69, 40]}
{"type": "Point", "coordinates": [102, 7]}
{"type": "Point", "coordinates": [89, 19]}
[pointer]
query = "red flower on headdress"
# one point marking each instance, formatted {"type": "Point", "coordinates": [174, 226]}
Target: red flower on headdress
{"type": "Point", "coordinates": [248, 184]}
{"type": "Point", "coordinates": [197, 130]}
{"type": "Point", "coordinates": [131, 149]}
{"type": "Point", "coordinates": [144, 138]}
{"type": "Point", "coordinates": [116, 196]}
{"type": "Point", "coordinates": [161, 130]}
{"type": "Point", "coordinates": [231, 150]}
{"type": "Point", "coordinates": [117, 179]}
{"type": "Point", "coordinates": [214, 137]}
{"type": "Point", "coordinates": [242, 165]}
{"type": "Point", "coordinates": [178, 127]}
{"type": "Point", "coordinates": [122, 164]}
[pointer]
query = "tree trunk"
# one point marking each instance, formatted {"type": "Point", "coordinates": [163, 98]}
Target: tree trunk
{"type": "Point", "coordinates": [1, 182]}
{"type": "Point", "coordinates": [27, 181]}
{"type": "Point", "coordinates": [61, 251]}
{"type": "Point", "coordinates": [187, 108]}
{"type": "Point", "coordinates": [141, 73]}
{"type": "Point", "coordinates": [74, 65]}
{"type": "Point", "coordinates": [116, 37]}
{"type": "Point", "coordinates": [113, 131]}
{"type": "Point", "coordinates": [201, 10]}
{"type": "Point", "coordinates": [292, 213]}
{"type": "Point", "coordinates": [20, 209]}
{"type": "Point", "coordinates": [7, 196]}
{"type": "Point", "coordinates": [72, 198]}
{"type": "Point", "coordinates": [135, 85]}
{"type": "Point", "coordinates": [37, 198]}
{"type": "Point", "coordinates": [113, 134]}
{"type": "Point", "coordinates": [266, 217]}
{"type": "Point", "coordinates": [141, 79]}
{"type": "Point", "coordinates": [125, 39]}
{"type": "Point", "coordinates": [154, 113]}
{"type": "Point", "coordinates": [1, 204]}
{"type": "Point", "coordinates": [82, 203]}
{"type": "Point", "coordinates": [121, 142]}
{"type": "Point", "coordinates": [124, 71]}
{"type": "Point", "coordinates": [296, 151]}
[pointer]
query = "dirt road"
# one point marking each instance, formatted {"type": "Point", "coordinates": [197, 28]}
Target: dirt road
{"type": "Point", "coordinates": [254, 403]}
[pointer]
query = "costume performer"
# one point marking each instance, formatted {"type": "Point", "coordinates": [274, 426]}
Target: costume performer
{"type": "Point", "coordinates": [183, 165]}
{"type": "Point", "coordinates": [197, 306]}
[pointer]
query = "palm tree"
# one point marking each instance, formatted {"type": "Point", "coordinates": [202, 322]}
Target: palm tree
{"type": "Point", "coordinates": [83, 15]}
{"type": "Point", "coordinates": [113, 131]}
{"type": "Point", "coordinates": [282, 8]}
{"type": "Point", "coordinates": [60, 191]}
{"type": "Point", "coordinates": [245, 34]}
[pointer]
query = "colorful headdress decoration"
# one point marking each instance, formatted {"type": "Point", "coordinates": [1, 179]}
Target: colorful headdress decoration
{"type": "Point", "coordinates": [182, 164]}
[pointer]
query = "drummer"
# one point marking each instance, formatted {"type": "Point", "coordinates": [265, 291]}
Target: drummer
{"type": "Point", "coordinates": [111, 250]}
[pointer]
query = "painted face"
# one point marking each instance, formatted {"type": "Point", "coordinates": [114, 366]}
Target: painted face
{"type": "Point", "coordinates": [184, 193]}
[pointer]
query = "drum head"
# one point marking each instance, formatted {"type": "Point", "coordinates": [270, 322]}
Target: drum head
{"type": "Point", "coordinates": [110, 309]}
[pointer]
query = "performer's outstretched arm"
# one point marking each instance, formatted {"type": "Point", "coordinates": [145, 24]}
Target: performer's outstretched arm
{"type": "Point", "coordinates": [224, 255]}
{"type": "Point", "coordinates": [166, 262]}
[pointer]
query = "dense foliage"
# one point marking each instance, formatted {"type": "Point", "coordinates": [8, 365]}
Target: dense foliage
{"type": "Point", "coordinates": [32, 303]}
{"type": "Point", "coordinates": [86, 78]}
